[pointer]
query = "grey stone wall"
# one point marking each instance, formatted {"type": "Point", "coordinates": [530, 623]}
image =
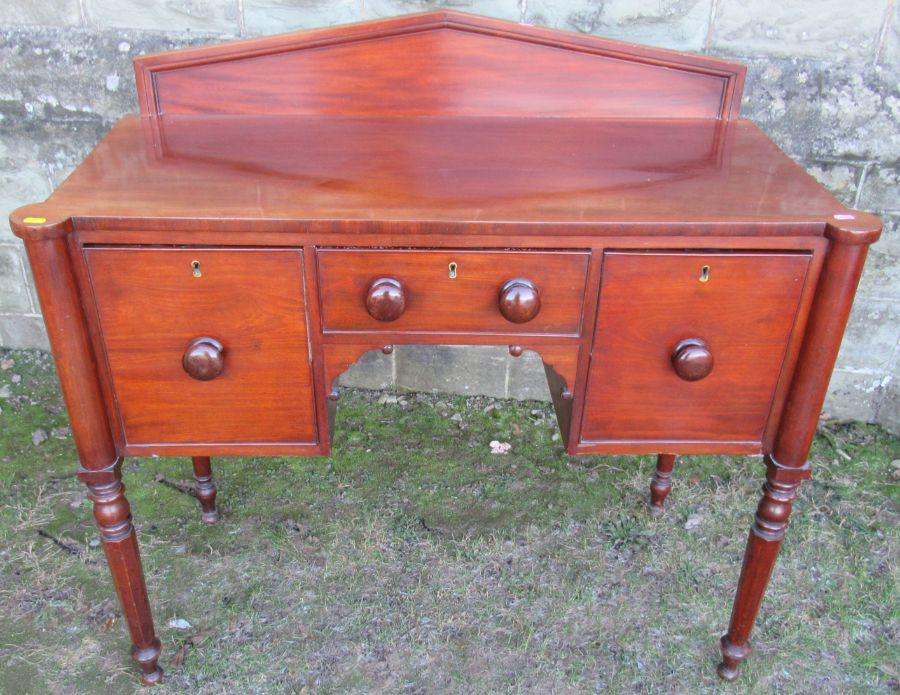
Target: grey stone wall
{"type": "Point", "coordinates": [823, 80]}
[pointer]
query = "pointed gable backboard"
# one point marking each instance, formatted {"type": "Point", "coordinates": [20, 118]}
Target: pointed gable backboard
{"type": "Point", "coordinates": [439, 64]}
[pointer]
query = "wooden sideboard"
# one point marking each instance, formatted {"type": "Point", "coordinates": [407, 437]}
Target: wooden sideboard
{"type": "Point", "coordinates": [283, 205]}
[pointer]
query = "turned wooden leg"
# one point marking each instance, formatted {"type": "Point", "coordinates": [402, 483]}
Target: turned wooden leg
{"type": "Point", "coordinates": [99, 463]}
{"type": "Point", "coordinates": [766, 535]}
{"type": "Point", "coordinates": [206, 489]}
{"type": "Point", "coordinates": [661, 484]}
{"type": "Point", "coordinates": [113, 515]}
{"type": "Point", "coordinates": [787, 463]}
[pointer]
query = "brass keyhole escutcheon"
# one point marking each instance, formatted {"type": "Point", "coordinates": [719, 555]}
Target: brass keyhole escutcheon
{"type": "Point", "coordinates": [704, 274]}
{"type": "Point", "coordinates": [451, 270]}
{"type": "Point", "coordinates": [195, 269]}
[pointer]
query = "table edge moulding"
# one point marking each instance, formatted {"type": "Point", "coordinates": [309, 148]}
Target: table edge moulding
{"type": "Point", "coordinates": [283, 205]}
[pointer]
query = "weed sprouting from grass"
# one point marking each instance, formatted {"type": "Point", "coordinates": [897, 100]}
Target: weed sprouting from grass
{"type": "Point", "coordinates": [626, 532]}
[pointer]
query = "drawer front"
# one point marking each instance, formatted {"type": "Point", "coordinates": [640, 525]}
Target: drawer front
{"type": "Point", "coordinates": [153, 304]}
{"type": "Point", "coordinates": [424, 294]}
{"type": "Point", "coordinates": [731, 312]}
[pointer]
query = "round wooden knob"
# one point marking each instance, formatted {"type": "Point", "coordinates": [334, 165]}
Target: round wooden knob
{"type": "Point", "coordinates": [692, 359]}
{"type": "Point", "coordinates": [519, 300]}
{"type": "Point", "coordinates": [204, 359]}
{"type": "Point", "coordinates": [386, 299]}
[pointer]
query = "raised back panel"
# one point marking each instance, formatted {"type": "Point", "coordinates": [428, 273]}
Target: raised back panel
{"type": "Point", "coordinates": [439, 63]}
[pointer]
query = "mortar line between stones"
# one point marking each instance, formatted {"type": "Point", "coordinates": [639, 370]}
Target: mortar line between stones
{"type": "Point", "coordinates": [713, 7]}
{"type": "Point", "coordinates": [859, 186]}
{"type": "Point", "coordinates": [882, 33]}
{"type": "Point", "coordinates": [891, 366]}
{"type": "Point", "coordinates": [49, 174]}
{"type": "Point", "coordinates": [508, 363]}
{"type": "Point", "coordinates": [878, 297]}
{"type": "Point", "coordinates": [863, 371]}
{"type": "Point", "coordinates": [24, 273]}
{"type": "Point", "coordinates": [825, 159]}
{"type": "Point", "coordinates": [241, 22]}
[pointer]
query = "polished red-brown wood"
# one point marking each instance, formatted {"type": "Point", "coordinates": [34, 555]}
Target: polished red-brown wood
{"type": "Point", "coordinates": [436, 299]}
{"type": "Point", "coordinates": [519, 300]}
{"type": "Point", "coordinates": [649, 304]}
{"type": "Point", "coordinates": [766, 536]}
{"type": "Point", "coordinates": [286, 204]}
{"type": "Point", "coordinates": [786, 464]}
{"type": "Point", "coordinates": [692, 359]}
{"type": "Point", "coordinates": [661, 483]}
{"type": "Point", "coordinates": [463, 66]}
{"type": "Point", "coordinates": [204, 359]}
{"type": "Point", "coordinates": [99, 465]}
{"type": "Point", "coordinates": [385, 299]}
{"type": "Point", "coordinates": [205, 489]}
{"type": "Point", "coordinates": [76, 362]}
{"type": "Point", "coordinates": [113, 516]}
{"type": "Point", "coordinates": [251, 302]}
{"type": "Point", "coordinates": [443, 177]}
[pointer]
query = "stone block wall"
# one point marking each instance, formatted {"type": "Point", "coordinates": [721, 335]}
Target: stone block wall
{"type": "Point", "coordinates": [823, 82]}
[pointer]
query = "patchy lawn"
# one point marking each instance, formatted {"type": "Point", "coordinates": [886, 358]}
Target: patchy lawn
{"type": "Point", "coordinates": [415, 561]}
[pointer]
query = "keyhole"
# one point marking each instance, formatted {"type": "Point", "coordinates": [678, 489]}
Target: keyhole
{"type": "Point", "coordinates": [704, 274]}
{"type": "Point", "coordinates": [195, 269]}
{"type": "Point", "coordinates": [452, 268]}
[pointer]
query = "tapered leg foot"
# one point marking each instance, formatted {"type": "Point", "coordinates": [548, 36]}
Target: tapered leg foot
{"type": "Point", "coordinates": [766, 535]}
{"type": "Point", "coordinates": [732, 656]}
{"type": "Point", "coordinates": [146, 658]}
{"type": "Point", "coordinates": [113, 515]}
{"type": "Point", "coordinates": [206, 489]}
{"type": "Point", "coordinates": [661, 484]}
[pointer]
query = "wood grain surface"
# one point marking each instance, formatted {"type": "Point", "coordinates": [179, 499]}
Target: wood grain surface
{"type": "Point", "coordinates": [397, 176]}
{"type": "Point", "coordinates": [152, 307]}
{"type": "Point", "coordinates": [649, 303]}
{"type": "Point", "coordinates": [437, 303]}
{"type": "Point", "coordinates": [439, 63]}
{"type": "Point", "coordinates": [285, 204]}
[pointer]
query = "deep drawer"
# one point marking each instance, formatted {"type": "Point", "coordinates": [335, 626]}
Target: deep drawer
{"type": "Point", "coordinates": [153, 304]}
{"type": "Point", "coordinates": [452, 291]}
{"type": "Point", "coordinates": [727, 328]}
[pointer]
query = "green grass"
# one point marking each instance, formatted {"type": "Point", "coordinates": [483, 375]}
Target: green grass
{"type": "Point", "coordinates": [414, 561]}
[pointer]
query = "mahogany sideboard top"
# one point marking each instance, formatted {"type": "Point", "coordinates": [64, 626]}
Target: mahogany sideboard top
{"type": "Point", "coordinates": [450, 177]}
{"type": "Point", "coordinates": [282, 205]}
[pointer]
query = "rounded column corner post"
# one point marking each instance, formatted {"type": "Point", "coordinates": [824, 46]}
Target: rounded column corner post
{"type": "Point", "coordinates": [780, 473]}
{"type": "Point", "coordinates": [39, 222]}
{"type": "Point", "coordinates": [100, 466]}
{"type": "Point", "coordinates": [850, 238]}
{"type": "Point", "coordinates": [70, 340]}
{"type": "Point", "coordinates": [854, 228]}
{"type": "Point", "coordinates": [787, 464]}
{"type": "Point", "coordinates": [101, 476]}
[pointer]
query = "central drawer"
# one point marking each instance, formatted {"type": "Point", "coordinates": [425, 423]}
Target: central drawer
{"type": "Point", "coordinates": [518, 292]}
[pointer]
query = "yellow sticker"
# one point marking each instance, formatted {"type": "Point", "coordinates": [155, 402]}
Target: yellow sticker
{"type": "Point", "coordinates": [34, 220]}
